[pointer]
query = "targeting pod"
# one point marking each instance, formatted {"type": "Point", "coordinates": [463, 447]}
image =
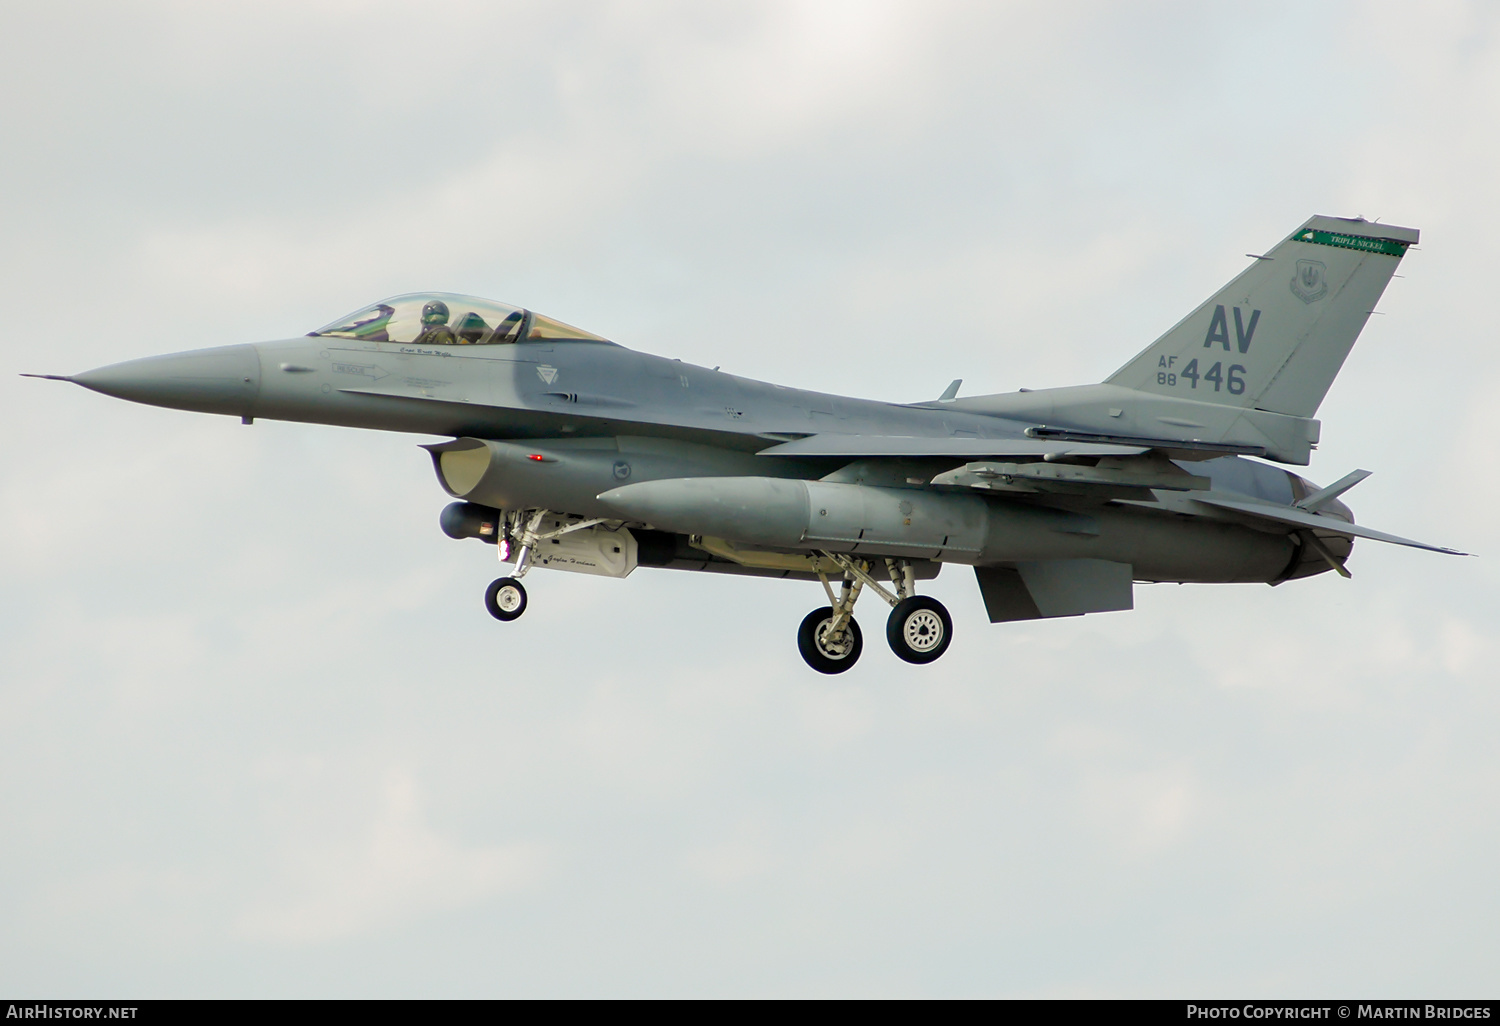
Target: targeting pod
{"type": "Point", "coordinates": [461, 520]}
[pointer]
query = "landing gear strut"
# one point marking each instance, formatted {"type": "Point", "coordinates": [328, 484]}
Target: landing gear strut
{"type": "Point", "coordinates": [918, 631]}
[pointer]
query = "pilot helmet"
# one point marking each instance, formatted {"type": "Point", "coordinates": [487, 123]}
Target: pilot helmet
{"type": "Point", "coordinates": [435, 312]}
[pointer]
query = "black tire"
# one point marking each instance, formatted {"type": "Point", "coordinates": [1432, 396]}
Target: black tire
{"type": "Point", "coordinates": [822, 659]}
{"type": "Point", "coordinates": [919, 629]}
{"type": "Point", "coordinates": [505, 598]}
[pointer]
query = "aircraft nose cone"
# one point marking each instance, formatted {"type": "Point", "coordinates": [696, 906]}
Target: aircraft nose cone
{"type": "Point", "coordinates": [222, 380]}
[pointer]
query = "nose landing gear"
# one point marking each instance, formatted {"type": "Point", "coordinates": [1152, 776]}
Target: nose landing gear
{"type": "Point", "coordinates": [918, 631]}
{"type": "Point", "coordinates": [505, 598]}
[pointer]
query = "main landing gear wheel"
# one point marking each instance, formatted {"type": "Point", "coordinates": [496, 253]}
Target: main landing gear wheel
{"type": "Point", "coordinates": [505, 598]}
{"type": "Point", "coordinates": [828, 655]}
{"type": "Point", "coordinates": [919, 629]}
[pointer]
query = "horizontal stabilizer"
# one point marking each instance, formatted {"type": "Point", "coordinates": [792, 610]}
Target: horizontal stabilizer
{"type": "Point", "coordinates": [1302, 518]}
{"type": "Point", "coordinates": [900, 445]}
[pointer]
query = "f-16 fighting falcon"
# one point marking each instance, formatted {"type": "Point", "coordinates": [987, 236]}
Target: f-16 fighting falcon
{"type": "Point", "coordinates": [570, 452]}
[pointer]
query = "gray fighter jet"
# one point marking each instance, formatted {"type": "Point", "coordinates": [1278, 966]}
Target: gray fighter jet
{"type": "Point", "coordinates": [570, 452]}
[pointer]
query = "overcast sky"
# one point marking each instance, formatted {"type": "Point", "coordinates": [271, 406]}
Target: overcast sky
{"type": "Point", "coordinates": [258, 736]}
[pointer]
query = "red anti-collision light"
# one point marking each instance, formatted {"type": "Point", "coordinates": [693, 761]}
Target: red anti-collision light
{"type": "Point", "coordinates": [538, 457]}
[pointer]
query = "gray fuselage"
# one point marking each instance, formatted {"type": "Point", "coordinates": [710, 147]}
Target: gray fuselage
{"type": "Point", "coordinates": [595, 410]}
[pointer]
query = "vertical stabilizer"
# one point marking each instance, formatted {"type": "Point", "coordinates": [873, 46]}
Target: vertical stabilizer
{"type": "Point", "coordinates": [1275, 337]}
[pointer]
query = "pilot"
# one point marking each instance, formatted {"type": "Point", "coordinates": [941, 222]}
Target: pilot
{"type": "Point", "coordinates": [435, 330]}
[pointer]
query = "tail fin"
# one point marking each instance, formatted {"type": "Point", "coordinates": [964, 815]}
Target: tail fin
{"type": "Point", "coordinates": [1275, 337]}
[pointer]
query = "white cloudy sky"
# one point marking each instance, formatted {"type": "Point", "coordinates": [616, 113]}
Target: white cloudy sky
{"type": "Point", "coordinates": [259, 737]}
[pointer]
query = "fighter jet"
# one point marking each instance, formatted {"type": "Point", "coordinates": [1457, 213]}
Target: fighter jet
{"type": "Point", "coordinates": [570, 452]}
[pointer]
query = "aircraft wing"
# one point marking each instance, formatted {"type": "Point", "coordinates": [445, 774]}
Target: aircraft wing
{"type": "Point", "coordinates": [1301, 518]}
{"type": "Point", "coordinates": [854, 446]}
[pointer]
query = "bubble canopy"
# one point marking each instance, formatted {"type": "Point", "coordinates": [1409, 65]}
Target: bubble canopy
{"type": "Point", "coordinates": [445, 319]}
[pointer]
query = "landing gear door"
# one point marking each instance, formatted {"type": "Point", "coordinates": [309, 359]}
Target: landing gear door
{"type": "Point", "coordinates": [594, 550]}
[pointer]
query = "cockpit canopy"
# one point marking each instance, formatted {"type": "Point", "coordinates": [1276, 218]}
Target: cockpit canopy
{"type": "Point", "coordinates": [445, 319]}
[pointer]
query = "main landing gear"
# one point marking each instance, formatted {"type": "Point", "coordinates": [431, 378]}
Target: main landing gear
{"type": "Point", "coordinates": [829, 641]}
{"type": "Point", "coordinates": [505, 598]}
{"type": "Point", "coordinates": [919, 628]}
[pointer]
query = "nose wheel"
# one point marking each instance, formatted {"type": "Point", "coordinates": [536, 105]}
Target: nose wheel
{"type": "Point", "coordinates": [505, 598]}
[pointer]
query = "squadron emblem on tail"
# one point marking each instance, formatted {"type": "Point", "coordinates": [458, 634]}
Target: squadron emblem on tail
{"type": "Point", "coordinates": [1310, 282]}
